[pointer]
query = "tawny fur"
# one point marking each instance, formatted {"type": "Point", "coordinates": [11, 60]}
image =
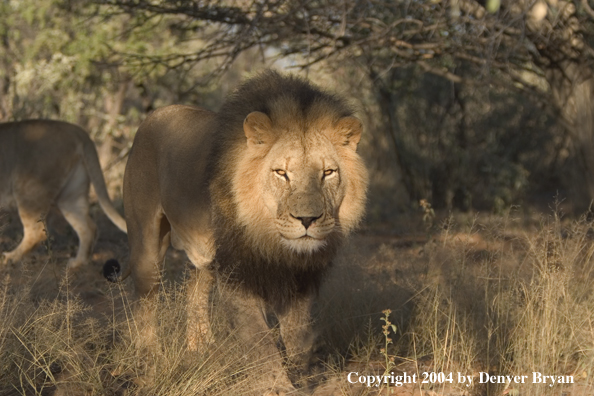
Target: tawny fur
{"type": "Point", "coordinates": [46, 163]}
{"type": "Point", "coordinates": [261, 194]}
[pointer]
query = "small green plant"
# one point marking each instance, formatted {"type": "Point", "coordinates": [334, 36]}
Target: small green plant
{"type": "Point", "coordinates": [428, 213]}
{"type": "Point", "coordinates": [388, 359]}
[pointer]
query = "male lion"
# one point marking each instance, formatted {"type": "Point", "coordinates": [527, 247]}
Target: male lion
{"type": "Point", "coordinates": [259, 195]}
{"type": "Point", "coordinates": [45, 163]}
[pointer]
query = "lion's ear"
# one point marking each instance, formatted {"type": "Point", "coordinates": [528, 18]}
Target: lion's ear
{"type": "Point", "coordinates": [257, 128]}
{"type": "Point", "coordinates": [347, 132]}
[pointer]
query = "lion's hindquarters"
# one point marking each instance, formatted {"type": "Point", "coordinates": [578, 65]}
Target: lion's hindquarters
{"type": "Point", "coordinates": [161, 189]}
{"type": "Point", "coordinates": [151, 181]}
{"type": "Point", "coordinates": [39, 170]}
{"type": "Point", "coordinates": [50, 168]}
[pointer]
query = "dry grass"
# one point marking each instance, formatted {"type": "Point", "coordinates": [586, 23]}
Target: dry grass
{"type": "Point", "coordinates": [498, 295]}
{"type": "Point", "coordinates": [59, 347]}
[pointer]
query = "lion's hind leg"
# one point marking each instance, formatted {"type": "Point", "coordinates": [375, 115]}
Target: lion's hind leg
{"type": "Point", "coordinates": [73, 202]}
{"type": "Point", "coordinates": [148, 237]}
{"type": "Point", "coordinates": [33, 199]}
{"type": "Point", "coordinates": [33, 233]}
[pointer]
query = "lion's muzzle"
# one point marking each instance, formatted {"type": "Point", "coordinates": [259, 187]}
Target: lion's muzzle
{"type": "Point", "coordinates": [306, 206]}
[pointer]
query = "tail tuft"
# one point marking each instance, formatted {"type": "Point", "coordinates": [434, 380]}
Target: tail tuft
{"type": "Point", "coordinates": [111, 270]}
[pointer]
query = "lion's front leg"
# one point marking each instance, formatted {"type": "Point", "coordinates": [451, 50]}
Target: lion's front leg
{"type": "Point", "coordinates": [247, 318]}
{"type": "Point", "coordinates": [296, 328]}
{"type": "Point", "coordinates": [199, 286]}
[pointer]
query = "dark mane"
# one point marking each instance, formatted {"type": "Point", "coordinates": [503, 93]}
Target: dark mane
{"type": "Point", "coordinates": [277, 281]}
{"type": "Point", "coordinates": [259, 92]}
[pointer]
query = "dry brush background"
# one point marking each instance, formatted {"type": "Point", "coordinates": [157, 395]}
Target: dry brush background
{"type": "Point", "coordinates": [477, 115]}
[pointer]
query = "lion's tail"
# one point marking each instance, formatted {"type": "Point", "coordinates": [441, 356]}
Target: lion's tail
{"type": "Point", "coordinates": [112, 271]}
{"type": "Point", "coordinates": [96, 175]}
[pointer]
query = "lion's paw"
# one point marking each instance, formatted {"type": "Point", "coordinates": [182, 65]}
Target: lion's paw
{"type": "Point", "coordinates": [10, 257]}
{"type": "Point", "coordinates": [73, 265]}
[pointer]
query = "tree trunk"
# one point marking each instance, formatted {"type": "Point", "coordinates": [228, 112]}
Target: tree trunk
{"type": "Point", "coordinates": [113, 106]}
{"type": "Point", "coordinates": [572, 85]}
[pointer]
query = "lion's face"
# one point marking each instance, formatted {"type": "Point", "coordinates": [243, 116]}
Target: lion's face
{"type": "Point", "coordinates": [296, 178]}
{"type": "Point", "coordinates": [303, 190]}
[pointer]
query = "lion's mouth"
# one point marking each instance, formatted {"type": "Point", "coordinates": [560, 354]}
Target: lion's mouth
{"type": "Point", "coordinates": [304, 238]}
{"type": "Point", "coordinates": [304, 244]}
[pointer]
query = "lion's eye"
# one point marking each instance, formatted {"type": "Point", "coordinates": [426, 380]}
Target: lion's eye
{"type": "Point", "coordinates": [329, 172]}
{"type": "Point", "coordinates": [281, 173]}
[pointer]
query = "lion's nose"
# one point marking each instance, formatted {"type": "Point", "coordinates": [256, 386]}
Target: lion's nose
{"type": "Point", "coordinates": [306, 221]}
